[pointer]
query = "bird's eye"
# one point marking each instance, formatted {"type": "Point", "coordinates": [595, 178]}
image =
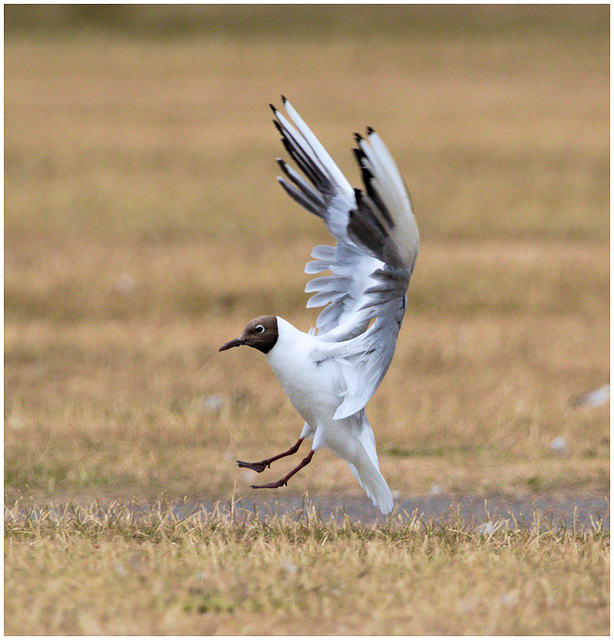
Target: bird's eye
{"type": "Point", "coordinates": [259, 329]}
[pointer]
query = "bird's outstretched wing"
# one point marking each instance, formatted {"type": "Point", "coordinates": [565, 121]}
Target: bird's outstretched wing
{"type": "Point", "coordinates": [372, 262]}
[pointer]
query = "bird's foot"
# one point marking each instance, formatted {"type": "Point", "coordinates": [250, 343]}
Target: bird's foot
{"type": "Point", "coordinates": [258, 467]}
{"type": "Point", "coordinates": [284, 481]}
{"type": "Point", "coordinates": [271, 485]}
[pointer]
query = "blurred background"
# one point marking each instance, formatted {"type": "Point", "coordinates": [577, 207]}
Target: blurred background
{"type": "Point", "coordinates": [144, 227]}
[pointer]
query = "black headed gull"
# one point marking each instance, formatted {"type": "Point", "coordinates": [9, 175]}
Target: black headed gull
{"type": "Point", "coordinates": [330, 374]}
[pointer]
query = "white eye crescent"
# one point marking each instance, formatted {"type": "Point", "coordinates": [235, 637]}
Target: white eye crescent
{"type": "Point", "coordinates": [259, 329]}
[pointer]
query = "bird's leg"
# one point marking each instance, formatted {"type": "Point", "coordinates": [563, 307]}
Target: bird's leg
{"type": "Point", "coordinates": [284, 481]}
{"type": "Point", "coordinates": [263, 464]}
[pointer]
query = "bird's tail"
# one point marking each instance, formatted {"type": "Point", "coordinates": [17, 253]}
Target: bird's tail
{"type": "Point", "coordinates": [372, 481]}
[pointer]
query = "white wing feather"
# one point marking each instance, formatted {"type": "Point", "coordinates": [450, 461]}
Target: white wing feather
{"type": "Point", "coordinates": [371, 264]}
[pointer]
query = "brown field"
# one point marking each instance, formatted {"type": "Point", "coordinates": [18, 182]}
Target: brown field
{"type": "Point", "coordinates": [144, 227]}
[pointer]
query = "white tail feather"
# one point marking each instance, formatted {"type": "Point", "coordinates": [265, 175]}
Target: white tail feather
{"type": "Point", "coordinates": [372, 481]}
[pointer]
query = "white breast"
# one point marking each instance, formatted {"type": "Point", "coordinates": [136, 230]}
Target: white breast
{"type": "Point", "coordinates": [310, 387]}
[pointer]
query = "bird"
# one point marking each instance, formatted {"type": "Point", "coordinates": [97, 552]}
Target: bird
{"type": "Point", "coordinates": [331, 372]}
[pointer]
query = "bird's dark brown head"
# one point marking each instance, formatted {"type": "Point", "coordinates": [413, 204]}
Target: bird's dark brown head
{"type": "Point", "coordinates": [259, 333]}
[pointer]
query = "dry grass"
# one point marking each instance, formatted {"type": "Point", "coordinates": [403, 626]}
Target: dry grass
{"type": "Point", "coordinates": [237, 575]}
{"type": "Point", "coordinates": [144, 227]}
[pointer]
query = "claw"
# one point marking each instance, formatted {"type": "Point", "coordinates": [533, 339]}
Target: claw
{"type": "Point", "coordinates": [271, 485]}
{"type": "Point", "coordinates": [284, 481]}
{"type": "Point", "coordinates": [258, 467]}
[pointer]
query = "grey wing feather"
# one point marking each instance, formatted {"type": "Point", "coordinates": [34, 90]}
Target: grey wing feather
{"type": "Point", "coordinates": [327, 194]}
{"type": "Point", "coordinates": [372, 262]}
{"type": "Point", "coordinates": [364, 360]}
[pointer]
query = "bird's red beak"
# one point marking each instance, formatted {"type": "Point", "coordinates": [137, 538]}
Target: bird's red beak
{"type": "Point", "coordinates": [237, 342]}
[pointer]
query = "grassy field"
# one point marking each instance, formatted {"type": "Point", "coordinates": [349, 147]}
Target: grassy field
{"type": "Point", "coordinates": [234, 574]}
{"type": "Point", "coordinates": [144, 227]}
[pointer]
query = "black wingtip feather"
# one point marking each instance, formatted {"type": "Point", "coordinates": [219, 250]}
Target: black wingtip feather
{"type": "Point", "coordinates": [360, 156]}
{"type": "Point", "coordinates": [370, 130]}
{"type": "Point", "coordinates": [283, 99]}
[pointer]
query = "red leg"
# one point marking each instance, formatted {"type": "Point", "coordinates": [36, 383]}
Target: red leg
{"type": "Point", "coordinates": [284, 481]}
{"type": "Point", "coordinates": [259, 467]}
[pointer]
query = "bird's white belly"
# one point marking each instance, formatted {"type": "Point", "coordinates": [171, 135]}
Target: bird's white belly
{"type": "Point", "coordinates": [307, 387]}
